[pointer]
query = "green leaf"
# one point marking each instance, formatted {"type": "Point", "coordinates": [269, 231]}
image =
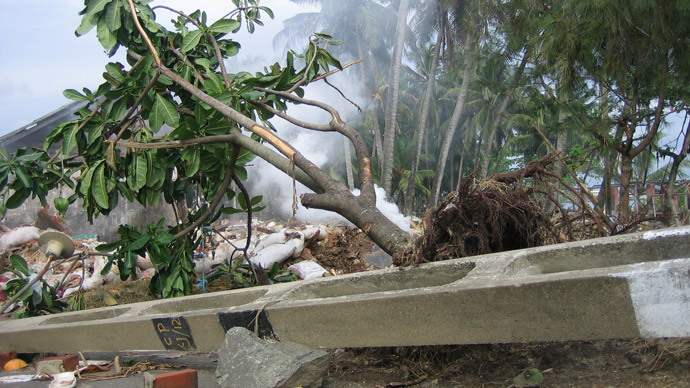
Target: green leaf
{"type": "Point", "coordinates": [163, 111]}
{"type": "Point", "coordinates": [194, 163]}
{"type": "Point", "coordinates": [165, 238]}
{"type": "Point", "coordinates": [268, 11]}
{"type": "Point", "coordinates": [86, 25]}
{"type": "Point", "coordinates": [255, 200]}
{"type": "Point", "coordinates": [69, 141]}
{"type": "Point", "coordinates": [140, 172]}
{"type": "Point", "coordinates": [112, 16]}
{"type": "Point", "coordinates": [119, 109]}
{"type": "Point", "coordinates": [74, 95]}
{"type": "Point", "coordinates": [105, 36]}
{"type": "Point", "coordinates": [191, 40]}
{"type": "Point", "coordinates": [115, 70]}
{"type": "Point", "coordinates": [139, 243]}
{"type": "Point", "coordinates": [17, 198]}
{"type": "Point", "coordinates": [23, 176]}
{"type": "Point", "coordinates": [99, 189]}
{"type": "Point", "coordinates": [93, 9]}
{"type": "Point", "coordinates": [242, 201]}
{"type": "Point", "coordinates": [224, 26]}
{"type": "Point", "coordinates": [19, 264]}
{"type": "Point", "coordinates": [205, 63]}
{"type": "Point", "coordinates": [32, 157]}
{"type": "Point", "coordinates": [230, 210]}
{"type": "Point", "coordinates": [108, 247]}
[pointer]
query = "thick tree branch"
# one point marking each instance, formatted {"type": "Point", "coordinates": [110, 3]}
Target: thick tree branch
{"type": "Point", "coordinates": [236, 137]}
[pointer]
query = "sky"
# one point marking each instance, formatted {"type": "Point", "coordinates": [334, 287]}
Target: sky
{"type": "Point", "coordinates": [41, 56]}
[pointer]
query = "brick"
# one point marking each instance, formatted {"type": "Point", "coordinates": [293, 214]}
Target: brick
{"type": "Point", "coordinates": [186, 378]}
{"type": "Point", "coordinates": [70, 361]}
{"type": "Point", "coordinates": [4, 357]}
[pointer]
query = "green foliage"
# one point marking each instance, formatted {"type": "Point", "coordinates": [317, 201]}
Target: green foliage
{"type": "Point", "coordinates": [39, 299]}
{"type": "Point", "coordinates": [240, 275]}
{"type": "Point", "coordinates": [134, 105]}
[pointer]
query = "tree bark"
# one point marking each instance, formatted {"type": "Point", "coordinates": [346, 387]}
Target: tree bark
{"type": "Point", "coordinates": [421, 128]}
{"type": "Point", "coordinates": [454, 120]}
{"type": "Point", "coordinates": [392, 100]}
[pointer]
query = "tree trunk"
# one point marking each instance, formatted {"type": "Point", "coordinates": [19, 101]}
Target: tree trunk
{"type": "Point", "coordinates": [675, 166]}
{"type": "Point", "coordinates": [454, 120]}
{"type": "Point", "coordinates": [363, 214]}
{"type": "Point", "coordinates": [392, 100]}
{"type": "Point", "coordinates": [348, 164]}
{"type": "Point", "coordinates": [421, 128]}
{"type": "Point", "coordinates": [499, 116]}
{"type": "Point", "coordinates": [626, 178]}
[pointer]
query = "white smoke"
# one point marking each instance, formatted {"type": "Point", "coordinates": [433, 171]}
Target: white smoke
{"type": "Point", "coordinates": [323, 149]}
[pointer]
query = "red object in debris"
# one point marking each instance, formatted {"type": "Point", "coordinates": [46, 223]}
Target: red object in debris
{"type": "Point", "coordinates": [7, 356]}
{"type": "Point", "coordinates": [182, 379]}
{"type": "Point", "coordinates": [70, 362]}
{"type": "Point", "coordinates": [2, 296]}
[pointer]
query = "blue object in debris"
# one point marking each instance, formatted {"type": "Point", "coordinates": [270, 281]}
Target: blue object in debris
{"type": "Point", "coordinates": [201, 284]}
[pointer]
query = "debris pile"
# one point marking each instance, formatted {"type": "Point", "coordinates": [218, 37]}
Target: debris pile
{"type": "Point", "coordinates": [295, 250]}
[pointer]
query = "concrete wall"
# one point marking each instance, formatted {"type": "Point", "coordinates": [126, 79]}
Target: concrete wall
{"type": "Point", "coordinates": [131, 213]}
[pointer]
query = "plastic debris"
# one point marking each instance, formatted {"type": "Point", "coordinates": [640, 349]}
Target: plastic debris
{"type": "Point", "coordinates": [14, 379]}
{"type": "Point", "coordinates": [308, 269]}
{"type": "Point", "coordinates": [15, 364]}
{"type": "Point", "coordinates": [530, 377]}
{"type": "Point", "coordinates": [63, 380]}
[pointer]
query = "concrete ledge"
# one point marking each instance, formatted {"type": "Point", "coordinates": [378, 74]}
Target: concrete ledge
{"type": "Point", "coordinates": [629, 286]}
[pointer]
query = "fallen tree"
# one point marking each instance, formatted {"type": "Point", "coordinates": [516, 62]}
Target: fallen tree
{"type": "Point", "coordinates": [219, 121]}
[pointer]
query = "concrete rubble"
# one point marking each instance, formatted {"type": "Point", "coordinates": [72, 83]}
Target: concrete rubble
{"type": "Point", "coordinates": [246, 361]}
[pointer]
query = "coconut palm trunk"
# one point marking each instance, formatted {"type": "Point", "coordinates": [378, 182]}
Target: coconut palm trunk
{"type": "Point", "coordinates": [454, 120]}
{"type": "Point", "coordinates": [392, 100]}
{"type": "Point", "coordinates": [421, 128]}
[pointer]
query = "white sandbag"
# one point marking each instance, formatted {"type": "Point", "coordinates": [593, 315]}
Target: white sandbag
{"type": "Point", "coordinates": [144, 263]}
{"type": "Point", "coordinates": [148, 274]}
{"type": "Point", "coordinates": [19, 236]}
{"type": "Point", "coordinates": [226, 251]}
{"type": "Point", "coordinates": [206, 263]}
{"type": "Point", "coordinates": [308, 269]}
{"type": "Point", "coordinates": [319, 233]}
{"type": "Point", "coordinates": [271, 239]}
{"type": "Point", "coordinates": [278, 253]}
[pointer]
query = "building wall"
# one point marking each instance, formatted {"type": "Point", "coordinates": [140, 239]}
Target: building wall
{"type": "Point", "coordinates": [131, 213]}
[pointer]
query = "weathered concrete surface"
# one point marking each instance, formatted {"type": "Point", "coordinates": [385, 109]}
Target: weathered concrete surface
{"type": "Point", "coordinates": [247, 361]}
{"type": "Point", "coordinates": [629, 286]}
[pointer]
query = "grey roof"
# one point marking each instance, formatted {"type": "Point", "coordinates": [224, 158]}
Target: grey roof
{"type": "Point", "coordinates": [33, 134]}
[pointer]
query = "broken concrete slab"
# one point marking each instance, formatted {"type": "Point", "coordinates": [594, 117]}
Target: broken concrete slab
{"type": "Point", "coordinates": [247, 361]}
{"type": "Point", "coordinates": [627, 286]}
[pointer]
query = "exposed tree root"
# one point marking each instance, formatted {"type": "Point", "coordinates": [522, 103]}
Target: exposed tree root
{"type": "Point", "coordinates": [495, 215]}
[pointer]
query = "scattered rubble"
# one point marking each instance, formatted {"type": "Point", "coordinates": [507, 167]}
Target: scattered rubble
{"type": "Point", "coordinates": [248, 361]}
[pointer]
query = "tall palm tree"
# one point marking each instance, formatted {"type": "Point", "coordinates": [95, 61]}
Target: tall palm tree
{"type": "Point", "coordinates": [392, 100]}
{"type": "Point", "coordinates": [447, 17]}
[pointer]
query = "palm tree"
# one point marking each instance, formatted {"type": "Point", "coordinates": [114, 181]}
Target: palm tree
{"type": "Point", "coordinates": [392, 100]}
